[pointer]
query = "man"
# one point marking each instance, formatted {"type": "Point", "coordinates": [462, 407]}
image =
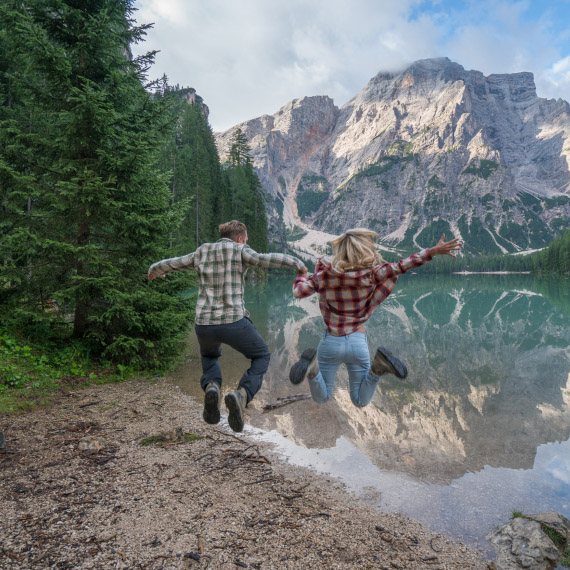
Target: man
{"type": "Point", "coordinates": [221, 317]}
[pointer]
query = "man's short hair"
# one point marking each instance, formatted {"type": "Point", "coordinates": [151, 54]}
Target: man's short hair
{"type": "Point", "coordinates": [233, 229]}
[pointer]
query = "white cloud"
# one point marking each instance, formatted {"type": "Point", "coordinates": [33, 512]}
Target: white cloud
{"type": "Point", "coordinates": [251, 57]}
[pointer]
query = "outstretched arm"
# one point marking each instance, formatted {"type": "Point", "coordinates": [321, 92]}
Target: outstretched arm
{"type": "Point", "coordinates": [388, 270]}
{"type": "Point", "coordinates": [161, 268]}
{"type": "Point", "coordinates": [305, 285]}
{"type": "Point", "coordinates": [443, 247]}
{"type": "Point", "coordinates": [252, 258]}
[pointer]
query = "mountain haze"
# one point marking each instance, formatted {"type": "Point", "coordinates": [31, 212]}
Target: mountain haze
{"type": "Point", "coordinates": [432, 149]}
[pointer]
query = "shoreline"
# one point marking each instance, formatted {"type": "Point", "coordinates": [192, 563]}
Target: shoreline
{"type": "Point", "coordinates": [81, 490]}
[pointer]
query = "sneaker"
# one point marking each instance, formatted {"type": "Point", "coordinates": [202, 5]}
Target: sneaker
{"type": "Point", "coordinates": [211, 412]}
{"type": "Point", "coordinates": [236, 402]}
{"type": "Point", "coordinates": [386, 363]}
{"type": "Point", "coordinates": [307, 366]}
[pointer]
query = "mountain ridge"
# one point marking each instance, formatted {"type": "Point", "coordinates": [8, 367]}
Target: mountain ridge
{"type": "Point", "coordinates": [431, 149]}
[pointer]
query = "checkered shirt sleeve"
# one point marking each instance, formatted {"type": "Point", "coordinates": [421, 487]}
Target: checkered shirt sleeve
{"type": "Point", "coordinates": [173, 264]}
{"type": "Point", "coordinates": [254, 259]}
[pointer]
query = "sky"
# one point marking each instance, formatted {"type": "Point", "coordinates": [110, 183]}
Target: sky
{"type": "Point", "coordinates": [248, 58]}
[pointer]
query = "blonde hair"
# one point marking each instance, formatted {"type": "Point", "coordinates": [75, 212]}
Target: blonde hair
{"type": "Point", "coordinates": [355, 249]}
{"type": "Point", "coordinates": [233, 229]}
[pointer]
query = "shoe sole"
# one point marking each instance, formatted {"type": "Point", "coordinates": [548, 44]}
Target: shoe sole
{"type": "Point", "coordinates": [211, 412]}
{"type": "Point", "coordinates": [299, 369]}
{"type": "Point", "coordinates": [235, 418]}
{"type": "Point", "coordinates": [398, 367]}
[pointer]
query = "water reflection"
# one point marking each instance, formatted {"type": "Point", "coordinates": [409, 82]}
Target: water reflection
{"type": "Point", "coordinates": [489, 384]}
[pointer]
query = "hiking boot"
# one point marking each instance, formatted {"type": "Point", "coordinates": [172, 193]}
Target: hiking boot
{"type": "Point", "coordinates": [211, 412]}
{"type": "Point", "coordinates": [386, 363]}
{"type": "Point", "coordinates": [236, 402]}
{"type": "Point", "coordinates": [307, 366]}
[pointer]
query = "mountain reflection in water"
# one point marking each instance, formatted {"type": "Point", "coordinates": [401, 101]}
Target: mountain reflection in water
{"type": "Point", "coordinates": [489, 382]}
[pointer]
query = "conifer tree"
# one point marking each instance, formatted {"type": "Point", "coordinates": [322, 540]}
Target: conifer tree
{"type": "Point", "coordinates": [85, 207]}
{"type": "Point", "coordinates": [196, 180]}
{"type": "Point", "coordinates": [243, 198]}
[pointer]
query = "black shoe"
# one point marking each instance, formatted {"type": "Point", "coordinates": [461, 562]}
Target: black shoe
{"type": "Point", "coordinates": [211, 412]}
{"type": "Point", "coordinates": [236, 402]}
{"type": "Point", "coordinates": [386, 363]}
{"type": "Point", "coordinates": [306, 366]}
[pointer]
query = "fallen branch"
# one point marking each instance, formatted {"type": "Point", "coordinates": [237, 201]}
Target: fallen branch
{"type": "Point", "coordinates": [286, 401]}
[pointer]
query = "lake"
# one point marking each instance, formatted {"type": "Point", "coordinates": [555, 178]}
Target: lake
{"type": "Point", "coordinates": [480, 427]}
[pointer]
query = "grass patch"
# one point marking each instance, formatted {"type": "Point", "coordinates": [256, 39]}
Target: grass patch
{"type": "Point", "coordinates": [30, 374]}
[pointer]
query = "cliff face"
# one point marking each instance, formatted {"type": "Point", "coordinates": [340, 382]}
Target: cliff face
{"type": "Point", "coordinates": [433, 149]}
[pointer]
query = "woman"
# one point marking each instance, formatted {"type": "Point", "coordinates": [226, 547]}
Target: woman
{"type": "Point", "coordinates": [350, 286]}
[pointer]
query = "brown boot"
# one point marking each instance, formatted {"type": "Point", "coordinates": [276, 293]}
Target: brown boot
{"type": "Point", "coordinates": [386, 363]}
{"type": "Point", "coordinates": [211, 413]}
{"type": "Point", "coordinates": [306, 367]}
{"type": "Point", "coordinates": [236, 402]}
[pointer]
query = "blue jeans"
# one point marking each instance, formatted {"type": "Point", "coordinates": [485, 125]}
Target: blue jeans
{"type": "Point", "coordinates": [351, 350]}
{"type": "Point", "coordinates": [242, 336]}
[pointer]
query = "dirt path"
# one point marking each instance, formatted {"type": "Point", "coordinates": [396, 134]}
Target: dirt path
{"type": "Point", "coordinates": [80, 491]}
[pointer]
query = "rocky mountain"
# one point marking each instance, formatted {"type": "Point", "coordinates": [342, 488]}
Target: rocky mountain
{"type": "Point", "coordinates": [433, 149]}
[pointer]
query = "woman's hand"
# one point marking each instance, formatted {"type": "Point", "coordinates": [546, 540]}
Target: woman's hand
{"type": "Point", "coordinates": [443, 247]}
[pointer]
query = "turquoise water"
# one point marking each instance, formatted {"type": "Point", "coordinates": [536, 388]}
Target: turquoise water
{"type": "Point", "coordinates": [480, 427]}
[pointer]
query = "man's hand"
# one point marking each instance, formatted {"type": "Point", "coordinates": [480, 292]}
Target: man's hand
{"type": "Point", "coordinates": [443, 247]}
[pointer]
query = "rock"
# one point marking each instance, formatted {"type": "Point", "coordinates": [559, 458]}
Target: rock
{"type": "Point", "coordinates": [523, 544]}
{"type": "Point", "coordinates": [555, 521]}
{"type": "Point", "coordinates": [89, 445]}
{"type": "Point", "coordinates": [2, 441]}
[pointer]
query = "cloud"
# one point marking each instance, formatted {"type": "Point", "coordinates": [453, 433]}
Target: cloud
{"type": "Point", "coordinates": [251, 57]}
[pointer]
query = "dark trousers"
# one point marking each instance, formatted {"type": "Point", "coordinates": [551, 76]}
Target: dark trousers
{"type": "Point", "coordinates": [242, 336]}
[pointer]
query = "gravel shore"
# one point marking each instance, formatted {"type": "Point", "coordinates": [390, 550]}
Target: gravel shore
{"type": "Point", "coordinates": [81, 490]}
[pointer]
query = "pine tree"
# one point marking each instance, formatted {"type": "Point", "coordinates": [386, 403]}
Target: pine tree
{"type": "Point", "coordinates": [86, 208]}
{"type": "Point", "coordinates": [243, 198]}
{"type": "Point", "coordinates": [196, 179]}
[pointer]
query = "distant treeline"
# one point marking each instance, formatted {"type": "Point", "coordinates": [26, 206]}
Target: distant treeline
{"type": "Point", "coordinates": [102, 173]}
{"type": "Point", "coordinates": [553, 259]}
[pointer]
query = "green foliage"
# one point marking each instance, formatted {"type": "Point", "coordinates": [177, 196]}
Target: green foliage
{"type": "Point", "coordinates": [243, 197]}
{"type": "Point", "coordinates": [279, 206]}
{"type": "Point", "coordinates": [29, 370]}
{"type": "Point", "coordinates": [84, 207]}
{"type": "Point", "coordinates": [385, 164]}
{"type": "Point", "coordinates": [555, 258]}
{"type": "Point", "coordinates": [483, 170]}
{"type": "Point", "coordinates": [430, 235]}
{"type": "Point", "coordinates": [196, 181]}
{"type": "Point", "coordinates": [309, 202]}
{"type": "Point", "coordinates": [556, 201]}
{"type": "Point", "coordinates": [436, 183]}
{"type": "Point", "coordinates": [295, 233]}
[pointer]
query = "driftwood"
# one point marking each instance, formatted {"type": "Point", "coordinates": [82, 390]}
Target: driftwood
{"type": "Point", "coordinates": [280, 402]}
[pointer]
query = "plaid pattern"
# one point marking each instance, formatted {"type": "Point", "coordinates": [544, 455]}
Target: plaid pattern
{"type": "Point", "coordinates": [348, 299]}
{"type": "Point", "coordinates": [221, 267]}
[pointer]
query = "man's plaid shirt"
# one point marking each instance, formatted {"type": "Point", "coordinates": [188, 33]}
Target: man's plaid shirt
{"type": "Point", "coordinates": [348, 299]}
{"type": "Point", "coordinates": [221, 266]}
